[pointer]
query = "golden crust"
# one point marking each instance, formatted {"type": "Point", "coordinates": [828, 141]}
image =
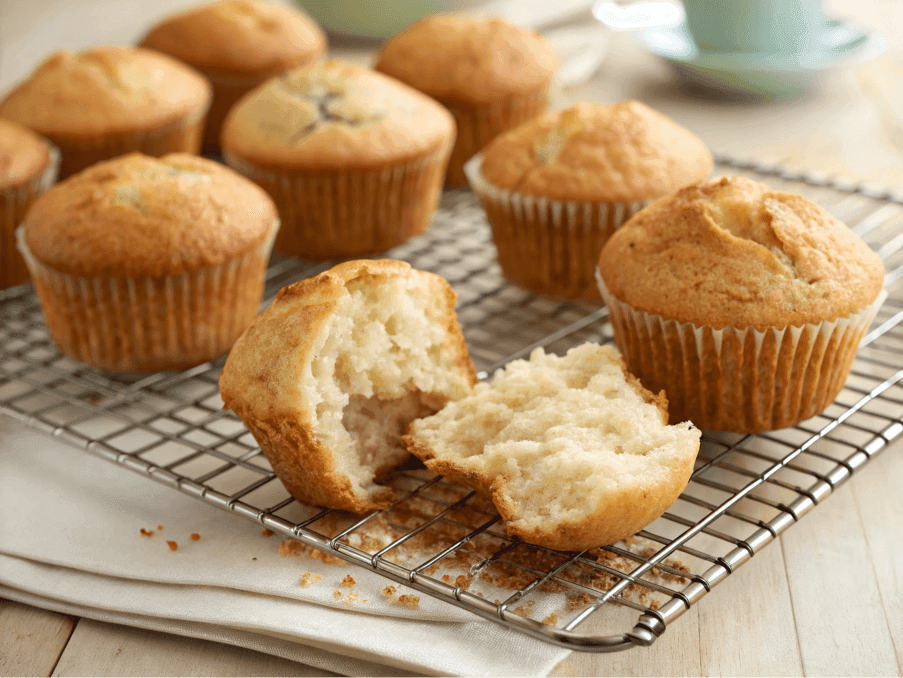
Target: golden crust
{"type": "Point", "coordinates": [335, 116]}
{"type": "Point", "coordinates": [23, 155]}
{"type": "Point", "coordinates": [731, 252]}
{"type": "Point", "coordinates": [106, 90]}
{"type": "Point", "coordinates": [624, 511]}
{"type": "Point", "coordinates": [264, 377]}
{"type": "Point", "coordinates": [623, 153]}
{"type": "Point", "coordinates": [137, 216]}
{"type": "Point", "coordinates": [455, 58]}
{"type": "Point", "coordinates": [239, 37]}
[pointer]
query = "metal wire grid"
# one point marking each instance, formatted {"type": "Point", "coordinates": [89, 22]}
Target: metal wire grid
{"type": "Point", "coordinates": [443, 540]}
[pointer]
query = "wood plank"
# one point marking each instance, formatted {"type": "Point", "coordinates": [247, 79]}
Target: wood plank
{"type": "Point", "coordinates": [878, 492]}
{"type": "Point", "coordinates": [746, 624]}
{"type": "Point", "coordinates": [835, 594]}
{"type": "Point", "coordinates": [675, 653]}
{"type": "Point", "coordinates": [100, 649]}
{"type": "Point", "coordinates": [31, 640]}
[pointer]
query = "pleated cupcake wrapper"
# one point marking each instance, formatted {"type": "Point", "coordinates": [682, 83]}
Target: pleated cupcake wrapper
{"type": "Point", "coordinates": [745, 381]}
{"type": "Point", "coordinates": [178, 136]}
{"type": "Point", "coordinates": [548, 246]}
{"type": "Point", "coordinates": [478, 125]}
{"type": "Point", "coordinates": [150, 324]}
{"type": "Point", "coordinates": [13, 205]}
{"type": "Point", "coordinates": [227, 90]}
{"type": "Point", "coordinates": [327, 215]}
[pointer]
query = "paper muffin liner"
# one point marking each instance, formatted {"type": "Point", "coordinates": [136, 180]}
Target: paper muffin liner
{"type": "Point", "coordinates": [150, 324]}
{"type": "Point", "coordinates": [739, 380]}
{"type": "Point", "coordinates": [180, 136]}
{"type": "Point", "coordinates": [14, 202]}
{"type": "Point", "coordinates": [478, 125]}
{"type": "Point", "coordinates": [227, 90]}
{"type": "Point", "coordinates": [548, 246]}
{"type": "Point", "coordinates": [330, 215]}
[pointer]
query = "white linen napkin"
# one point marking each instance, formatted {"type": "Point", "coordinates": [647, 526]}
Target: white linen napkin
{"type": "Point", "coordinates": [70, 541]}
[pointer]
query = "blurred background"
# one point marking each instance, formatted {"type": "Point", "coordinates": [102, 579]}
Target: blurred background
{"type": "Point", "coordinates": [834, 105]}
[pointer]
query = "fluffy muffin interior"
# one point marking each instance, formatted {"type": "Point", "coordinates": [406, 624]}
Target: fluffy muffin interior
{"type": "Point", "coordinates": [382, 362]}
{"type": "Point", "coordinates": [554, 436]}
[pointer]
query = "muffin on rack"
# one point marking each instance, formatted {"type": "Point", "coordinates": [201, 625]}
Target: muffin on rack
{"type": "Point", "coordinates": [557, 187]}
{"type": "Point", "coordinates": [353, 159]}
{"type": "Point", "coordinates": [746, 305]}
{"type": "Point", "coordinates": [329, 377]}
{"type": "Point", "coordinates": [490, 74]}
{"type": "Point", "coordinates": [237, 45]}
{"type": "Point", "coordinates": [108, 101]}
{"type": "Point", "coordinates": [28, 167]}
{"type": "Point", "coordinates": [572, 450]}
{"type": "Point", "coordinates": [145, 264]}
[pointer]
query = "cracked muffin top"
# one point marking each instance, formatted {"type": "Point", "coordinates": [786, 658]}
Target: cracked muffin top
{"type": "Point", "coordinates": [137, 216]}
{"type": "Point", "coordinates": [105, 90]}
{"type": "Point", "coordinates": [334, 115]}
{"type": "Point", "coordinates": [732, 252]}
{"type": "Point", "coordinates": [239, 36]}
{"type": "Point", "coordinates": [624, 152]}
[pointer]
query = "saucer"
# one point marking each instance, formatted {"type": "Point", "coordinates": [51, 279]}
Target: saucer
{"type": "Point", "coordinates": [766, 75]}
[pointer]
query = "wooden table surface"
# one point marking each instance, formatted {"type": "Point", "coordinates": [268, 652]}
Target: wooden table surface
{"type": "Point", "coordinates": [825, 599]}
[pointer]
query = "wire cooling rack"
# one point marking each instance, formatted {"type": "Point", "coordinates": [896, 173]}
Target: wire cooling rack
{"type": "Point", "coordinates": [443, 540]}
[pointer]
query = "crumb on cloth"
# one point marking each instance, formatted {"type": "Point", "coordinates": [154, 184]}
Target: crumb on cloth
{"type": "Point", "coordinates": [309, 578]}
{"type": "Point", "coordinates": [195, 536]}
{"type": "Point", "coordinates": [173, 546]}
{"type": "Point", "coordinates": [146, 533]}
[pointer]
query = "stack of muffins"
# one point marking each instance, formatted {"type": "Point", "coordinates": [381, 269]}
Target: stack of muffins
{"type": "Point", "coordinates": [746, 306]}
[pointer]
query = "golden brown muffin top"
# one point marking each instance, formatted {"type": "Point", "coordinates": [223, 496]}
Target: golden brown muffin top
{"type": "Point", "coordinates": [732, 252]}
{"type": "Point", "coordinates": [246, 37]}
{"type": "Point", "coordinates": [624, 152]}
{"type": "Point", "coordinates": [334, 115]}
{"type": "Point", "coordinates": [23, 154]}
{"type": "Point", "coordinates": [137, 216]}
{"type": "Point", "coordinates": [469, 60]}
{"type": "Point", "coordinates": [105, 90]}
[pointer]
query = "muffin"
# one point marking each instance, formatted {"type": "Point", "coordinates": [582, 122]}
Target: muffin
{"type": "Point", "coordinates": [491, 75]}
{"type": "Point", "coordinates": [237, 45]}
{"type": "Point", "coordinates": [145, 264]}
{"type": "Point", "coordinates": [28, 167]}
{"type": "Point", "coordinates": [573, 451]}
{"type": "Point", "coordinates": [329, 377]}
{"type": "Point", "coordinates": [353, 159]}
{"type": "Point", "coordinates": [109, 101]}
{"type": "Point", "coordinates": [745, 305]}
{"type": "Point", "coordinates": [556, 188]}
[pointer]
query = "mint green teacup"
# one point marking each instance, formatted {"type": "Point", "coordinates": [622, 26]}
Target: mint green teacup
{"type": "Point", "coordinates": [780, 27]}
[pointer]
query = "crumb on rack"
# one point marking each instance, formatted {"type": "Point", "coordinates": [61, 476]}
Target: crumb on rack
{"type": "Point", "coordinates": [146, 533]}
{"type": "Point", "coordinates": [195, 536]}
{"type": "Point", "coordinates": [348, 581]}
{"type": "Point", "coordinates": [173, 546]}
{"type": "Point", "coordinates": [463, 581]}
{"type": "Point", "coordinates": [267, 533]}
{"type": "Point", "coordinates": [309, 578]}
{"type": "Point", "coordinates": [551, 620]}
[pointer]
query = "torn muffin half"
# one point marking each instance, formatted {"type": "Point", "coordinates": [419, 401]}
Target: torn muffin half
{"type": "Point", "coordinates": [330, 376]}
